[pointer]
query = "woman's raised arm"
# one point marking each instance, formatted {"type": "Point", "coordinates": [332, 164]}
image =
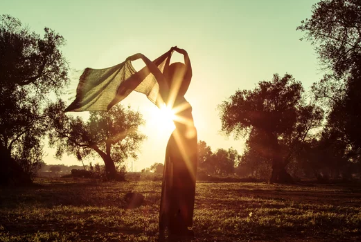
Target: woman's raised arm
{"type": "Point", "coordinates": [187, 62]}
{"type": "Point", "coordinates": [152, 68]}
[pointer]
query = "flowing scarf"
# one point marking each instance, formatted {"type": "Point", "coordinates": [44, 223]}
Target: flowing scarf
{"type": "Point", "coordinates": [100, 89]}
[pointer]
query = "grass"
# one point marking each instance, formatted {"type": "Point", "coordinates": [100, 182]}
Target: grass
{"type": "Point", "coordinates": [84, 210]}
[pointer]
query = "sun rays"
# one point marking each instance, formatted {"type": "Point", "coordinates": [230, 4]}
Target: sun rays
{"type": "Point", "coordinates": [178, 114]}
{"type": "Point", "coordinates": [167, 113]}
{"type": "Point", "coordinates": [162, 118]}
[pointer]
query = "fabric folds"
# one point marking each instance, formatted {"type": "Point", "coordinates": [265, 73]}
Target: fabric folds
{"type": "Point", "coordinates": [100, 89]}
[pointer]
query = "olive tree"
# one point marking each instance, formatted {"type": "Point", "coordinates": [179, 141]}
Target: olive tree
{"type": "Point", "coordinates": [111, 135]}
{"type": "Point", "coordinates": [31, 67]}
{"type": "Point", "coordinates": [275, 117]}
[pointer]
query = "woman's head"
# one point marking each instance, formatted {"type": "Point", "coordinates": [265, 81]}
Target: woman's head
{"type": "Point", "coordinates": [175, 75]}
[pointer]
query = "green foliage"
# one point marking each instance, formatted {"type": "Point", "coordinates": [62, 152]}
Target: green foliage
{"type": "Point", "coordinates": [275, 118]}
{"type": "Point", "coordinates": [112, 135]}
{"type": "Point", "coordinates": [31, 67]}
{"type": "Point", "coordinates": [271, 107]}
{"type": "Point", "coordinates": [31, 59]}
{"type": "Point", "coordinates": [346, 128]}
{"type": "Point", "coordinates": [157, 168]}
{"type": "Point", "coordinates": [55, 169]}
{"type": "Point", "coordinates": [204, 156]}
{"type": "Point", "coordinates": [334, 30]}
{"type": "Point", "coordinates": [221, 162]}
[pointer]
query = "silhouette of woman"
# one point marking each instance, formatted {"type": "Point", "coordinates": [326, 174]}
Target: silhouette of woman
{"type": "Point", "coordinates": [178, 186]}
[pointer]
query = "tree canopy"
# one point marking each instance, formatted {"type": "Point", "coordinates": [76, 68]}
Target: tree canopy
{"type": "Point", "coordinates": [31, 67]}
{"type": "Point", "coordinates": [275, 117]}
{"type": "Point", "coordinates": [335, 30]}
{"type": "Point", "coordinates": [112, 135]}
{"type": "Point", "coordinates": [221, 162]}
{"type": "Point", "coordinates": [156, 168]}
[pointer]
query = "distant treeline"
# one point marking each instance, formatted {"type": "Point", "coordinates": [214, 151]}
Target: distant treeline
{"type": "Point", "coordinates": [60, 168]}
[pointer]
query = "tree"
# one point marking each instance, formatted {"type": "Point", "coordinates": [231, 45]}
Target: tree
{"type": "Point", "coordinates": [112, 135]}
{"type": "Point", "coordinates": [157, 168]}
{"type": "Point", "coordinates": [275, 118]}
{"type": "Point", "coordinates": [324, 158]}
{"type": "Point", "coordinates": [55, 169]}
{"type": "Point", "coordinates": [335, 30]}
{"type": "Point", "coordinates": [204, 157]}
{"type": "Point", "coordinates": [346, 127]}
{"type": "Point", "coordinates": [223, 161]}
{"type": "Point", "coordinates": [31, 67]}
{"type": "Point", "coordinates": [256, 160]}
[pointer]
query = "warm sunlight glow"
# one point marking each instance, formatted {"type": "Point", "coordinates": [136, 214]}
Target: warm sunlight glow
{"type": "Point", "coordinates": [167, 113]}
{"type": "Point", "coordinates": [163, 118]}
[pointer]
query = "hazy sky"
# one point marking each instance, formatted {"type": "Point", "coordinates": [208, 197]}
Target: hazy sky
{"type": "Point", "coordinates": [233, 44]}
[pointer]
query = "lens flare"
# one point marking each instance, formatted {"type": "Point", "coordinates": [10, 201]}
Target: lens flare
{"type": "Point", "coordinates": [162, 119]}
{"type": "Point", "coordinates": [167, 113]}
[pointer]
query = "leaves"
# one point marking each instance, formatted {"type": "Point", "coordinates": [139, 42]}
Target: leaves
{"type": "Point", "coordinates": [221, 162]}
{"type": "Point", "coordinates": [111, 134]}
{"type": "Point", "coordinates": [335, 30]}
{"type": "Point", "coordinates": [275, 118]}
{"type": "Point", "coordinates": [31, 67]}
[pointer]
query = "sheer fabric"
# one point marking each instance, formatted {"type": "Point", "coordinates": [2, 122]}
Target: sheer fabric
{"type": "Point", "coordinates": [100, 89]}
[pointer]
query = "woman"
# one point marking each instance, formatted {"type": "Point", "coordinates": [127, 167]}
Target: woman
{"type": "Point", "coordinates": [178, 187]}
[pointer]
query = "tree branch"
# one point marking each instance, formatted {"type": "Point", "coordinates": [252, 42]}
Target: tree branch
{"type": "Point", "coordinates": [64, 135]}
{"type": "Point", "coordinates": [34, 78]}
{"type": "Point", "coordinates": [99, 151]}
{"type": "Point", "coordinates": [17, 137]}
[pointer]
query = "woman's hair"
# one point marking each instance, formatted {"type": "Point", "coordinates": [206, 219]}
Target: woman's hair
{"type": "Point", "coordinates": [175, 76]}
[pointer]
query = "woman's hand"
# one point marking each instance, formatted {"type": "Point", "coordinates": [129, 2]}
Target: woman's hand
{"type": "Point", "coordinates": [187, 62]}
{"type": "Point", "coordinates": [179, 50]}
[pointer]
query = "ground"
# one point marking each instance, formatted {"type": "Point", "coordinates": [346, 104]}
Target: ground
{"type": "Point", "coordinates": [86, 210]}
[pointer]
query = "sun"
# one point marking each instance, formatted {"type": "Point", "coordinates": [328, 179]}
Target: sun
{"type": "Point", "coordinates": [167, 112]}
{"type": "Point", "coordinates": [163, 118]}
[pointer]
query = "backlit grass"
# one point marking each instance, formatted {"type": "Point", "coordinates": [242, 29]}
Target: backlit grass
{"type": "Point", "coordinates": [84, 210]}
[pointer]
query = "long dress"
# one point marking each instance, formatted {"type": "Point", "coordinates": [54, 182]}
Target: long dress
{"type": "Point", "coordinates": [179, 177]}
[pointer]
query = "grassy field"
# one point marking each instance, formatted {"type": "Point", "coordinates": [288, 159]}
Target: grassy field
{"type": "Point", "coordinates": [85, 210]}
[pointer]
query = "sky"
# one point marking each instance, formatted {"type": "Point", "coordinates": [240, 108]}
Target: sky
{"type": "Point", "coordinates": [232, 44]}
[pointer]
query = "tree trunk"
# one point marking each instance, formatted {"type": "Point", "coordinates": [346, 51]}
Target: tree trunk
{"type": "Point", "coordinates": [110, 170]}
{"type": "Point", "coordinates": [279, 162]}
{"type": "Point", "coordinates": [109, 163]}
{"type": "Point", "coordinates": [11, 173]}
{"type": "Point", "coordinates": [279, 173]}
